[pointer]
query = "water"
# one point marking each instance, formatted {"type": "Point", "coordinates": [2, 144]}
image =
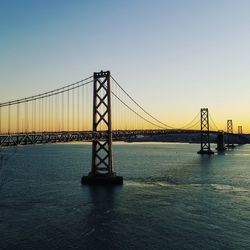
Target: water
{"type": "Point", "coordinates": [172, 198]}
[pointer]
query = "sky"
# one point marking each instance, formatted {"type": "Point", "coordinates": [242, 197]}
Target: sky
{"type": "Point", "coordinates": [173, 57]}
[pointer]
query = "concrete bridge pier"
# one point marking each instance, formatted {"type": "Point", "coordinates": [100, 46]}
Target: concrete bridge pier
{"type": "Point", "coordinates": [221, 142]}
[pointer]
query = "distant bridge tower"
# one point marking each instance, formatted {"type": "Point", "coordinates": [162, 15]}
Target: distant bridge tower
{"type": "Point", "coordinates": [102, 170]}
{"type": "Point", "coordinates": [229, 132]}
{"type": "Point", "coordinates": [230, 127]}
{"type": "Point", "coordinates": [205, 134]}
{"type": "Point", "coordinates": [240, 130]}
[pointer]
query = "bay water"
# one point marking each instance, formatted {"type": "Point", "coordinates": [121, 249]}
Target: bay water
{"type": "Point", "coordinates": [172, 198]}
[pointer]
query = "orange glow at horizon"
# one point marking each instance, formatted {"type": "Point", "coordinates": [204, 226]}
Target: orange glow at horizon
{"type": "Point", "coordinates": [123, 122]}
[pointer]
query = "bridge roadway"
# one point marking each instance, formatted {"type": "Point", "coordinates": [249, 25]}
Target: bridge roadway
{"type": "Point", "coordinates": [73, 136]}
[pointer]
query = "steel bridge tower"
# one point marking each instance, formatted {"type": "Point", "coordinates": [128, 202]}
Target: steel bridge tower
{"type": "Point", "coordinates": [102, 169]}
{"type": "Point", "coordinates": [240, 130]}
{"type": "Point", "coordinates": [205, 134]}
{"type": "Point", "coordinates": [230, 131]}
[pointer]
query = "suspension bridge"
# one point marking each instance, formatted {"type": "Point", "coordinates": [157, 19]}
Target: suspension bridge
{"type": "Point", "coordinates": [81, 111]}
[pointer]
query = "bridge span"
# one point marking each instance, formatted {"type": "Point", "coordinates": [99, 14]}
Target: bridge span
{"type": "Point", "coordinates": [16, 139]}
{"type": "Point", "coordinates": [97, 109]}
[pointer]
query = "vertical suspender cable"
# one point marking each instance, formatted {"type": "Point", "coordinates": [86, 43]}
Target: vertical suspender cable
{"type": "Point", "coordinates": [39, 113]}
{"type": "Point", "coordinates": [78, 109]}
{"type": "Point", "coordinates": [73, 109]}
{"type": "Point", "coordinates": [42, 114]}
{"type": "Point", "coordinates": [68, 110]}
{"type": "Point", "coordinates": [56, 113]}
{"type": "Point", "coordinates": [9, 119]}
{"type": "Point", "coordinates": [46, 114]}
{"type": "Point", "coordinates": [17, 118]}
{"type": "Point", "coordinates": [53, 113]}
{"type": "Point", "coordinates": [35, 122]}
{"type": "Point", "coordinates": [87, 108]}
{"type": "Point", "coordinates": [32, 115]}
{"type": "Point", "coordinates": [89, 105]}
{"type": "Point", "coordinates": [83, 106]}
{"type": "Point", "coordinates": [58, 124]}
{"type": "Point", "coordinates": [26, 117]}
{"type": "Point", "coordinates": [49, 114]}
{"type": "Point", "coordinates": [62, 115]}
{"type": "Point", "coordinates": [0, 120]}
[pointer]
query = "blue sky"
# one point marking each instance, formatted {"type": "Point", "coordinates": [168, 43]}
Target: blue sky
{"type": "Point", "coordinates": [174, 57]}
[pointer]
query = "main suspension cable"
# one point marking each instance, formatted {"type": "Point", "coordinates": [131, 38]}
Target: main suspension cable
{"type": "Point", "coordinates": [145, 119]}
{"type": "Point", "coordinates": [49, 93]}
{"type": "Point", "coordinates": [137, 104]}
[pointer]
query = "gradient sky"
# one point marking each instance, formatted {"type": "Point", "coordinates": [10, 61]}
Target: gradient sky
{"type": "Point", "coordinates": [173, 56]}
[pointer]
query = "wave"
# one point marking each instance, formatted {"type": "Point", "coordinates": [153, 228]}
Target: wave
{"type": "Point", "coordinates": [168, 183]}
{"type": "Point", "coordinates": [228, 188]}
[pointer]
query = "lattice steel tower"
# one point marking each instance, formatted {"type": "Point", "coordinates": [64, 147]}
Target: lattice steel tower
{"type": "Point", "coordinates": [240, 130]}
{"type": "Point", "coordinates": [205, 134]}
{"type": "Point", "coordinates": [230, 131]}
{"type": "Point", "coordinates": [102, 168]}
